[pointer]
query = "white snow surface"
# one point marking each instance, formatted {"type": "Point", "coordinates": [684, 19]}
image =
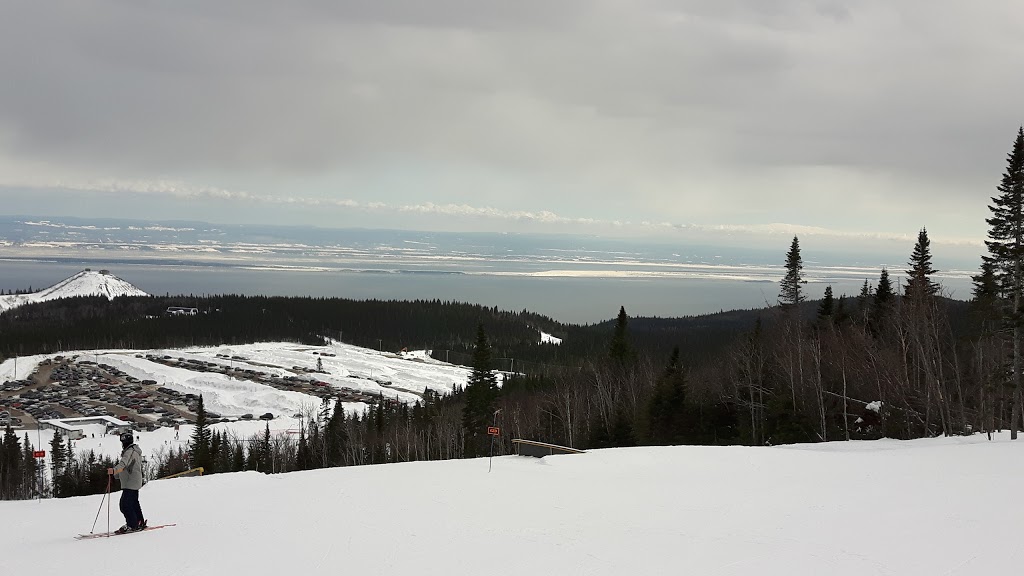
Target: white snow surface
{"type": "Point", "coordinates": [546, 338]}
{"type": "Point", "coordinates": [85, 283]}
{"type": "Point", "coordinates": [925, 507]}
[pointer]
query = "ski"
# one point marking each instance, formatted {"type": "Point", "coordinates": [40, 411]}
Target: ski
{"type": "Point", "coordinates": [106, 534]}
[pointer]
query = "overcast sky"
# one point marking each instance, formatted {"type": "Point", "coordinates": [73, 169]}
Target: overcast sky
{"type": "Point", "coordinates": [837, 118]}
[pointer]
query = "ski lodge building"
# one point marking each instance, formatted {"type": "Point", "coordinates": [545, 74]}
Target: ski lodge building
{"type": "Point", "coordinates": [73, 427]}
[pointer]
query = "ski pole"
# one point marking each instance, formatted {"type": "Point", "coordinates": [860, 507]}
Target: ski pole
{"type": "Point", "coordinates": [100, 509]}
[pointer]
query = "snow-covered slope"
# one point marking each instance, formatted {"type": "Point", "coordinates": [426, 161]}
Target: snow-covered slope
{"type": "Point", "coordinates": [85, 283]}
{"type": "Point", "coordinates": [928, 507]}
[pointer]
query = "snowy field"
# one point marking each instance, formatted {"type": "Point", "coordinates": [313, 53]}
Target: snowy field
{"type": "Point", "coordinates": [926, 507]}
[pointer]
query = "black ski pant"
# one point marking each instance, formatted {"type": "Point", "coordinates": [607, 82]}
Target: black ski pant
{"type": "Point", "coordinates": [130, 507]}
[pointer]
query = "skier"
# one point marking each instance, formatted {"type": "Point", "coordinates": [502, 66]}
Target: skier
{"type": "Point", "coordinates": [129, 473]}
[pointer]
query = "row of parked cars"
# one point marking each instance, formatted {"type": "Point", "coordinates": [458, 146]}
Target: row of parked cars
{"type": "Point", "coordinates": [14, 385]}
{"type": "Point", "coordinates": [305, 384]}
{"type": "Point", "coordinates": [7, 420]}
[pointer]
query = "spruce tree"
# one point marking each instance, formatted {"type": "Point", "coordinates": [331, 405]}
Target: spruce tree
{"type": "Point", "coordinates": [985, 303]}
{"type": "Point", "coordinates": [10, 465]}
{"type": "Point", "coordinates": [790, 293]}
{"type": "Point", "coordinates": [884, 299]}
{"type": "Point", "coordinates": [30, 470]}
{"type": "Point", "coordinates": [58, 460]}
{"type": "Point", "coordinates": [620, 350]}
{"type": "Point", "coordinates": [864, 301]}
{"type": "Point", "coordinates": [666, 410]}
{"type": "Point", "coordinates": [827, 307]}
{"type": "Point", "coordinates": [302, 452]}
{"type": "Point", "coordinates": [1006, 253]}
{"type": "Point", "coordinates": [336, 434]}
{"type": "Point", "coordinates": [215, 443]}
{"type": "Point", "coordinates": [199, 451]}
{"type": "Point", "coordinates": [266, 456]}
{"type": "Point", "coordinates": [481, 392]}
{"type": "Point", "coordinates": [919, 283]}
{"type": "Point", "coordinates": [238, 458]}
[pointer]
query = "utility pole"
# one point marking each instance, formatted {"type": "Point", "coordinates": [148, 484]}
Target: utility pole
{"type": "Point", "coordinates": [494, 437]}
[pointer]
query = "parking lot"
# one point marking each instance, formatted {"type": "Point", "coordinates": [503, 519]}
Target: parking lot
{"type": "Point", "coordinates": [67, 387]}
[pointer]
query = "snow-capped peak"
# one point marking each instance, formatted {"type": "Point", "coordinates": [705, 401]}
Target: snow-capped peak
{"type": "Point", "coordinates": [85, 283]}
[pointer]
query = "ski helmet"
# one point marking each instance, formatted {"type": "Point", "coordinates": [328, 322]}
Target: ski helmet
{"type": "Point", "coordinates": [127, 438]}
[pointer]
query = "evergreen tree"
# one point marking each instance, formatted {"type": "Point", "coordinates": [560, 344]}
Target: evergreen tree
{"type": "Point", "coordinates": [790, 293]}
{"type": "Point", "coordinates": [919, 283]}
{"type": "Point", "coordinates": [215, 444]}
{"type": "Point", "coordinates": [336, 434]}
{"type": "Point", "coordinates": [58, 460]}
{"type": "Point", "coordinates": [238, 458]}
{"type": "Point", "coordinates": [884, 297]}
{"type": "Point", "coordinates": [10, 465]}
{"type": "Point", "coordinates": [199, 450]}
{"type": "Point", "coordinates": [864, 301]}
{"type": "Point", "coordinates": [666, 411]}
{"type": "Point", "coordinates": [827, 307]}
{"type": "Point", "coordinates": [481, 392]}
{"type": "Point", "coordinates": [1006, 253]}
{"type": "Point", "coordinates": [985, 303]}
{"type": "Point", "coordinates": [620, 351]}
{"type": "Point", "coordinates": [31, 472]}
{"type": "Point", "coordinates": [265, 453]}
{"type": "Point", "coordinates": [302, 459]}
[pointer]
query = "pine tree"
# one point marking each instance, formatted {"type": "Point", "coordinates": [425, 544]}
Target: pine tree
{"type": "Point", "coordinates": [238, 458]}
{"type": "Point", "coordinates": [215, 443]}
{"type": "Point", "coordinates": [199, 450]}
{"type": "Point", "coordinates": [1006, 253]}
{"type": "Point", "coordinates": [30, 471]}
{"type": "Point", "coordinates": [864, 301]}
{"type": "Point", "coordinates": [620, 350]}
{"type": "Point", "coordinates": [666, 410]}
{"type": "Point", "coordinates": [10, 465]}
{"type": "Point", "coordinates": [827, 307]}
{"type": "Point", "coordinates": [336, 434]}
{"type": "Point", "coordinates": [790, 293]}
{"type": "Point", "coordinates": [266, 456]}
{"type": "Point", "coordinates": [884, 297]}
{"type": "Point", "coordinates": [302, 460]}
{"type": "Point", "coordinates": [919, 283]}
{"type": "Point", "coordinates": [58, 460]}
{"type": "Point", "coordinates": [985, 303]}
{"type": "Point", "coordinates": [481, 392]}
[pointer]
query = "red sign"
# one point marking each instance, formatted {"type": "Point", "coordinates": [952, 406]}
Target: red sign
{"type": "Point", "coordinates": [39, 454]}
{"type": "Point", "coordinates": [493, 431]}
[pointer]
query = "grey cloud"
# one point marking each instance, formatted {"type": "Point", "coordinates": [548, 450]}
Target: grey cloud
{"type": "Point", "coordinates": [550, 103]}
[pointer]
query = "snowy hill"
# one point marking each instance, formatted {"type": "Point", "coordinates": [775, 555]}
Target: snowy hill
{"type": "Point", "coordinates": [85, 283]}
{"type": "Point", "coordinates": [926, 507]}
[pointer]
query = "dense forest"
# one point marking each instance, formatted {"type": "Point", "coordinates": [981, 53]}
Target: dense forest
{"type": "Point", "coordinates": [895, 360]}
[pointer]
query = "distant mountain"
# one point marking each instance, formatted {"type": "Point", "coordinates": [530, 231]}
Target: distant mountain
{"type": "Point", "coordinates": [85, 283]}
